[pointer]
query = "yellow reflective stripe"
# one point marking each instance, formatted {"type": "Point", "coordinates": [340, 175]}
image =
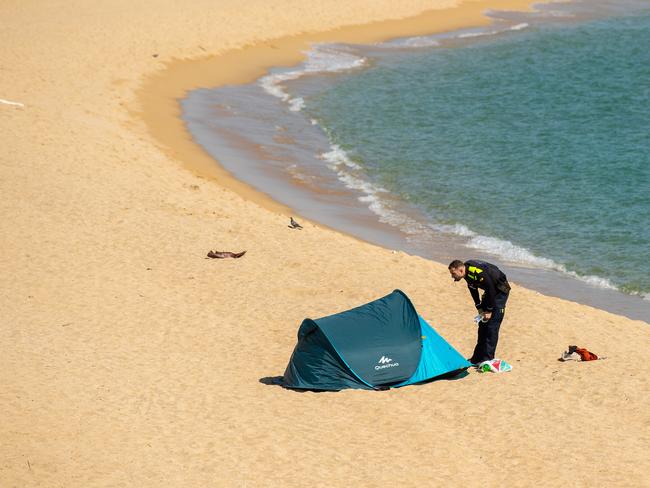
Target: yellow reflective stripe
{"type": "Point", "coordinates": [474, 269]}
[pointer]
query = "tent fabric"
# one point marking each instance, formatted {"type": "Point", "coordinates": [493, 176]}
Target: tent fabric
{"type": "Point", "coordinates": [382, 343]}
{"type": "Point", "coordinates": [316, 365]}
{"type": "Point", "coordinates": [438, 356]}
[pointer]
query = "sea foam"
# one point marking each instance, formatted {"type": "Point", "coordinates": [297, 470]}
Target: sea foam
{"type": "Point", "coordinates": [411, 42]}
{"type": "Point", "coordinates": [376, 198]}
{"type": "Point", "coordinates": [516, 27]}
{"type": "Point", "coordinates": [322, 58]}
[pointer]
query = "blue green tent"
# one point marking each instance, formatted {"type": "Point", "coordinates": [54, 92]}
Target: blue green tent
{"type": "Point", "coordinates": [381, 344]}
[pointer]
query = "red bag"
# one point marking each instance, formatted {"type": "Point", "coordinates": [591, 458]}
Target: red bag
{"type": "Point", "coordinates": [586, 355]}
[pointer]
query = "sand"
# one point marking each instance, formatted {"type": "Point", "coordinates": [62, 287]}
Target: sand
{"type": "Point", "coordinates": [127, 359]}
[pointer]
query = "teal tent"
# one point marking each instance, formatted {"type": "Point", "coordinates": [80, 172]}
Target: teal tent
{"type": "Point", "coordinates": [384, 343]}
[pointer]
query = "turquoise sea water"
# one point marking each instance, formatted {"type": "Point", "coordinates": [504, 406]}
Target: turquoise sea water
{"type": "Point", "coordinates": [525, 143]}
{"type": "Point", "coordinates": [535, 144]}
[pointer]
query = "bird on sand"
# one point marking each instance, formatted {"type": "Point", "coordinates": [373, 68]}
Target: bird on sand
{"type": "Point", "coordinates": [293, 224]}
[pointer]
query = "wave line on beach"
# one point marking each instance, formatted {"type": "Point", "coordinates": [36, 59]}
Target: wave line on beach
{"type": "Point", "coordinates": [516, 27]}
{"type": "Point", "coordinates": [350, 174]}
{"type": "Point", "coordinates": [322, 58]}
{"type": "Point", "coordinates": [331, 58]}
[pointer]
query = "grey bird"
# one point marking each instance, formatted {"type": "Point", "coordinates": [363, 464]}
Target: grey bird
{"type": "Point", "coordinates": [293, 224]}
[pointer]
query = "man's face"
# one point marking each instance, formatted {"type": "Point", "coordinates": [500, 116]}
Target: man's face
{"type": "Point", "coordinates": [457, 273]}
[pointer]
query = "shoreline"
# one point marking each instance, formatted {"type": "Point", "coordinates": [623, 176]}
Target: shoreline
{"type": "Point", "coordinates": [158, 97]}
{"type": "Point", "coordinates": [130, 359]}
{"type": "Point", "coordinates": [254, 61]}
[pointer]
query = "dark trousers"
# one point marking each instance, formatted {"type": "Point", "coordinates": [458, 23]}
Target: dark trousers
{"type": "Point", "coordinates": [488, 332]}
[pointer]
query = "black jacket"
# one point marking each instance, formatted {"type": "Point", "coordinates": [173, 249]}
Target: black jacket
{"type": "Point", "coordinates": [488, 277]}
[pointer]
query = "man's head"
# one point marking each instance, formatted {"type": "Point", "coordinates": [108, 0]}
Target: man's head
{"type": "Point", "coordinates": [457, 269]}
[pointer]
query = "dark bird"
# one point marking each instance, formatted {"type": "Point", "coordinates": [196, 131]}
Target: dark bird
{"type": "Point", "coordinates": [225, 254]}
{"type": "Point", "coordinates": [294, 225]}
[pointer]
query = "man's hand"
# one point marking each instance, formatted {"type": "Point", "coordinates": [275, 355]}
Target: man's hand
{"type": "Point", "coordinates": [487, 315]}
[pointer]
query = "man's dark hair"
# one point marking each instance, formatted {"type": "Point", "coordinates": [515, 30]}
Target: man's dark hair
{"type": "Point", "coordinates": [455, 264]}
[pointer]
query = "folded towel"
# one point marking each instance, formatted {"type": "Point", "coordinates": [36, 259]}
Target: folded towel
{"type": "Point", "coordinates": [495, 366]}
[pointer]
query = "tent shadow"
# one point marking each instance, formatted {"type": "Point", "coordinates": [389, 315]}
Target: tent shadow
{"type": "Point", "coordinates": [458, 374]}
{"type": "Point", "coordinates": [451, 376]}
{"type": "Point", "coordinates": [277, 381]}
{"type": "Point", "coordinates": [272, 380]}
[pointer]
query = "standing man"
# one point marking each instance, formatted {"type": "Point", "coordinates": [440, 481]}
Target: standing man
{"type": "Point", "coordinates": [491, 306]}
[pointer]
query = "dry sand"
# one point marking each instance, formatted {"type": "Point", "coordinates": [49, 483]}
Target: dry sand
{"type": "Point", "coordinates": [127, 359]}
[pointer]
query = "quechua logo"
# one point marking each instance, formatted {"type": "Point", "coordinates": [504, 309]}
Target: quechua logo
{"type": "Point", "coordinates": [385, 362]}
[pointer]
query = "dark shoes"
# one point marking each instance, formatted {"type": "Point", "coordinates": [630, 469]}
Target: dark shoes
{"type": "Point", "coordinates": [476, 362]}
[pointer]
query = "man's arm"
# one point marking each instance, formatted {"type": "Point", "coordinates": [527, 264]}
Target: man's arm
{"type": "Point", "coordinates": [474, 292]}
{"type": "Point", "coordinates": [487, 303]}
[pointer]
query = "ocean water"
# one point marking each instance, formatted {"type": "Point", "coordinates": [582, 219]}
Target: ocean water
{"type": "Point", "coordinates": [536, 145]}
{"type": "Point", "coordinates": [525, 142]}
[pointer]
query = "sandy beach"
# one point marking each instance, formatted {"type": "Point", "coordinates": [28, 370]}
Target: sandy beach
{"type": "Point", "coordinates": [128, 359]}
